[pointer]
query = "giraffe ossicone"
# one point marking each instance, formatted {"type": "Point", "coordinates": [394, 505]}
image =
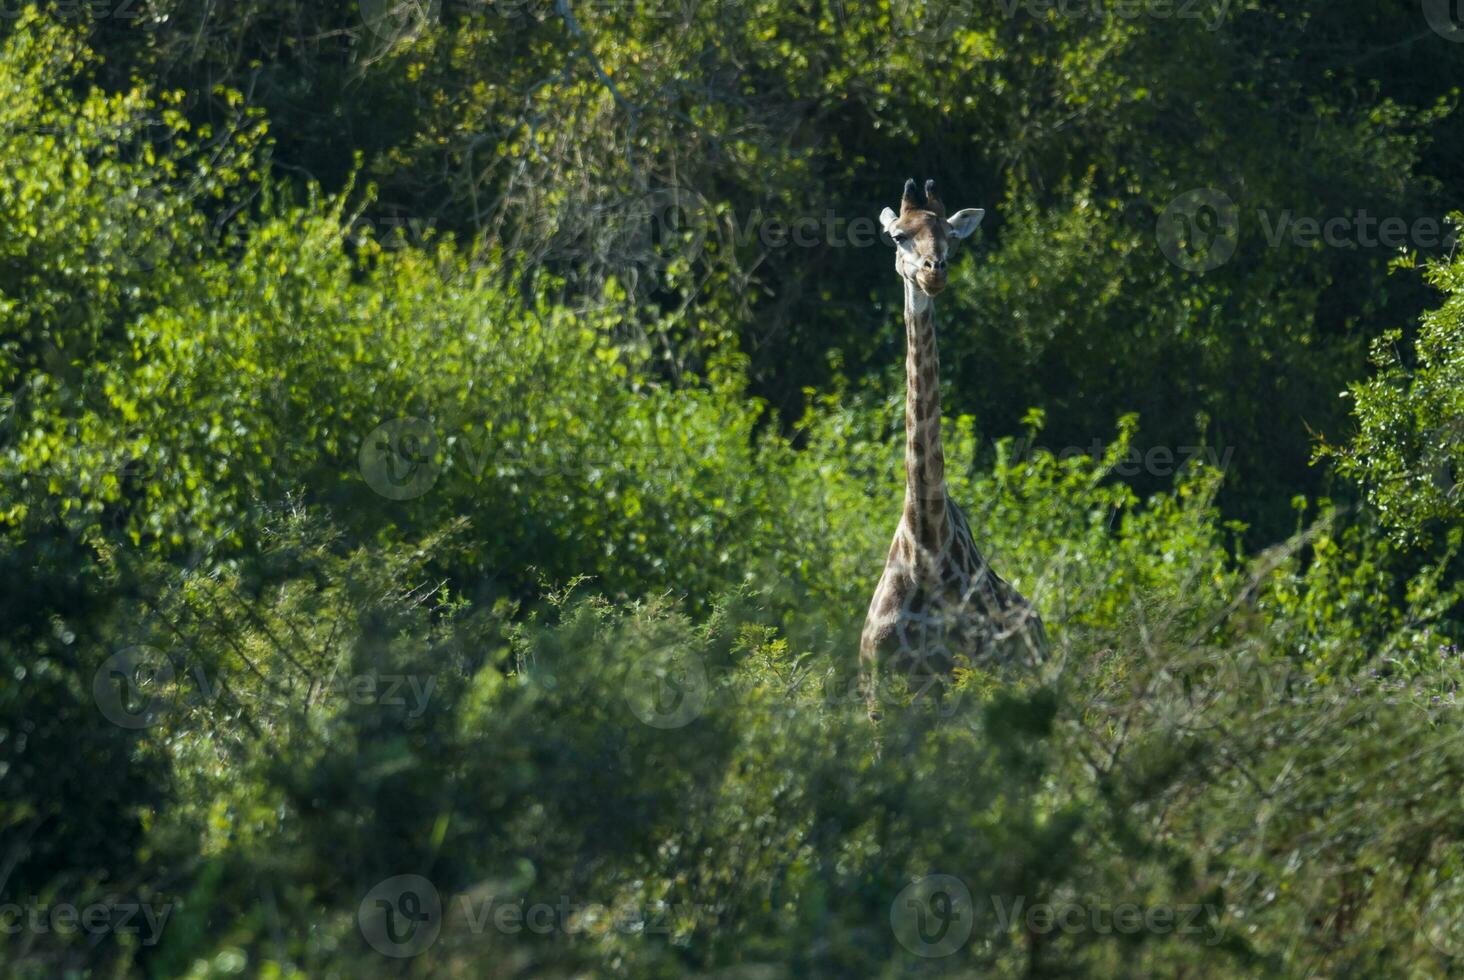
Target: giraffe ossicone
{"type": "Point", "coordinates": [939, 599]}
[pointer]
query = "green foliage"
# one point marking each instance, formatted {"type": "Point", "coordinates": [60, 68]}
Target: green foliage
{"type": "Point", "coordinates": [1409, 450]}
{"type": "Point", "coordinates": [561, 132]}
{"type": "Point", "coordinates": [98, 191]}
{"type": "Point", "coordinates": [333, 557]}
{"type": "Point", "coordinates": [521, 764]}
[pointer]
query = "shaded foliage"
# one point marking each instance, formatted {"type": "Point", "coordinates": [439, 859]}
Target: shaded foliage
{"type": "Point", "coordinates": [528, 557]}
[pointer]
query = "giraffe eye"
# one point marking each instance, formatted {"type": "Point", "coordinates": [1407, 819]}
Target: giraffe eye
{"type": "Point", "coordinates": [900, 238]}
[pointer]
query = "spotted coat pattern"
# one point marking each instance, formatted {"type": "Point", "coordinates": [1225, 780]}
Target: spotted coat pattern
{"type": "Point", "coordinates": [938, 598]}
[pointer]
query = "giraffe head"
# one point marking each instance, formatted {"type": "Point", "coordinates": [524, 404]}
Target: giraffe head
{"type": "Point", "coordinates": [925, 238]}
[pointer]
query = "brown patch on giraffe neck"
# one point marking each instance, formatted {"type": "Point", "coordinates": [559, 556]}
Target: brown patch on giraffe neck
{"type": "Point", "coordinates": [925, 491]}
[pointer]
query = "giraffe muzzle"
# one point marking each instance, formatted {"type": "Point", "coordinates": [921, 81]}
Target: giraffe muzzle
{"type": "Point", "coordinates": [931, 284]}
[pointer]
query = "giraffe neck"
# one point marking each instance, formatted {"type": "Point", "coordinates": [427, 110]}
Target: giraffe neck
{"type": "Point", "coordinates": [925, 489]}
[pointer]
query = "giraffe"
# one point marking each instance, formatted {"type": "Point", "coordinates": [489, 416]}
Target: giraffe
{"type": "Point", "coordinates": [938, 599]}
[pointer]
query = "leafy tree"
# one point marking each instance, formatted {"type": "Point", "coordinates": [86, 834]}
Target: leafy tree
{"type": "Point", "coordinates": [510, 556]}
{"type": "Point", "coordinates": [1409, 450]}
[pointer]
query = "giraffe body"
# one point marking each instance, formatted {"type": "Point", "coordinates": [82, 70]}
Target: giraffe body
{"type": "Point", "coordinates": [938, 599]}
{"type": "Point", "coordinates": [930, 609]}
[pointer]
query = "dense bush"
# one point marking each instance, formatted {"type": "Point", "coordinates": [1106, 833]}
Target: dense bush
{"type": "Point", "coordinates": [333, 559]}
{"type": "Point", "coordinates": [557, 130]}
{"type": "Point", "coordinates": [1410, 450]}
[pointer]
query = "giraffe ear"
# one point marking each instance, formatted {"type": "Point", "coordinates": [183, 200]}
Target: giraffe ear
{"type": "Point", "coordinates": [964, 222]}
{"type": "Point", "coordinates": [886, 218]}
